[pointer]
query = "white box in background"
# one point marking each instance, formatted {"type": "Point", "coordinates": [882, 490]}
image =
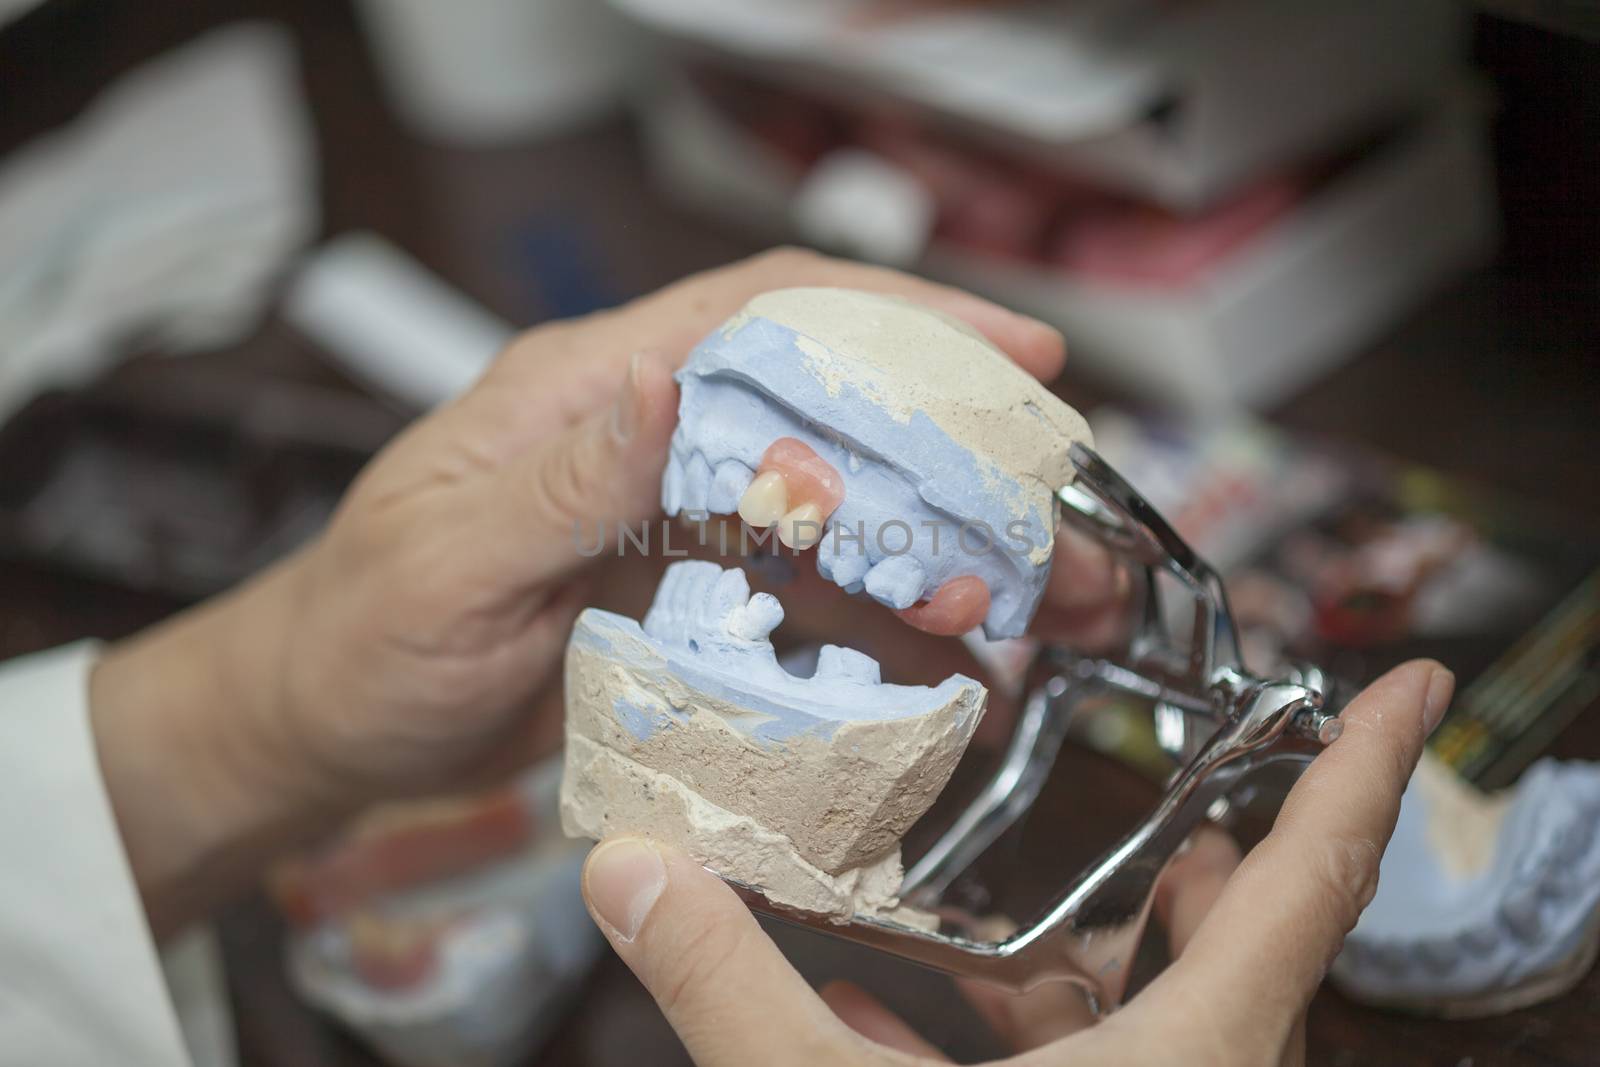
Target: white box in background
{"type": "Point", "coordinates": [1254, 84]}
{"type": "Point", "coordinates": [1294, 301]}
{"type": "Point", "coordinates": [1178, 103]}
{"type": "Point", "coordinates": [1365, 246]}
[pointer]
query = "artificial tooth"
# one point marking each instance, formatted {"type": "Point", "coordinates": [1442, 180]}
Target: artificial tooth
{"type": "Point", "coordinates": [802, 527]}
{"type": "Point", "coordinates": [766, 501]}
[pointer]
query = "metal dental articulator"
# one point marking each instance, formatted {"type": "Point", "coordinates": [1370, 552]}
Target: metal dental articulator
{"type": "Point", "coordinates": [1218, 722]}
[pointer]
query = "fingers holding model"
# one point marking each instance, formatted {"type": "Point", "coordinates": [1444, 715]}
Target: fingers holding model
{"type": "Point", "coordinates": [1251, 944]}
{"type": "Point", "coordinates": [686, 731]}
{"type": "Point", "coordinates": [401, 650]}
{"type": "Point", "coordinates": [431, 609]}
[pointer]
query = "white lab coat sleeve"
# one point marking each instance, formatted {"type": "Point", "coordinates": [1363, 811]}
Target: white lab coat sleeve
{"type": "Point", "coordinates": [81, 983]}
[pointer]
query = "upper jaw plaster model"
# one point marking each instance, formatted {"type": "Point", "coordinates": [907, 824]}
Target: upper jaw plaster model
{"type": "Point", "coordinates": [1484, 903]}
{"type": "Point", "coordinates": [922, 454]}
{"type": "Point", "coordinates": [812, 410]}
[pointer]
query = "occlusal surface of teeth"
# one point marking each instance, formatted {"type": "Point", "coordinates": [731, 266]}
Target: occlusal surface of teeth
{"type": "Point", "coordinates": [766, 501]}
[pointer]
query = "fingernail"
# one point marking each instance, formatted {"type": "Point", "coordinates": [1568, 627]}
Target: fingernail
{"type": "Point", "coordinates": [624, 878]}
{"type": "Point", "coordinates": [625, 413]}
{"type": "Point", "coordinates": [1441, 686]}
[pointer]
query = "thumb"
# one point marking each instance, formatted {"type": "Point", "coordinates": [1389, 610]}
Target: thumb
{"type": "Point", "coordinates": [562, 499]}
{"type": "Point", "coordinates": [720, 981]}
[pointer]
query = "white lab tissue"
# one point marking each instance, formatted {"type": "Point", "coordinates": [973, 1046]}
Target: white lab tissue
{"type": "Point", "coordinates": [160, 218]}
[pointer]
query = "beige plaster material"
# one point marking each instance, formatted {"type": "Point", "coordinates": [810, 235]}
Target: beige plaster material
{"type": "Point", "coordinates": [812, 814]}
{"type": "Point", "coordinates": [1463, 821]}
{"type": "Point", "coordinates": [910, 358]}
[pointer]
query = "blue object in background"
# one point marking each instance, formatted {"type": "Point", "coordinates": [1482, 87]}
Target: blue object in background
{"type": "Point", "coordinates": [561, 258]}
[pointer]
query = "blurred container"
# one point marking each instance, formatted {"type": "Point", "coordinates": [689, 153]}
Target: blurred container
{"type": "Point", "coordinates": [445, 933]}
{"type": "Point", "coordinates": [1323, 275]}
{"type": "Point", "coordinates": [1363, 247]}
{"type": "Point", "coordinates": [1216, 202]}
{"type": "Point", "coordinates": [485, 71]}
{"type": "Point", "coordinates": [1177, 103]}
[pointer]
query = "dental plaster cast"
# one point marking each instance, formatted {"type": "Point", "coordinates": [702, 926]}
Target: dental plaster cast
{"type": "Point", "coordinates": [687, 730]}
{"type": "Point", "coordinates": [1485, 903]}
{"type": "Point", "coordinates": [921, 465]}
{"type": "Point", "coordinates": [916, 457]}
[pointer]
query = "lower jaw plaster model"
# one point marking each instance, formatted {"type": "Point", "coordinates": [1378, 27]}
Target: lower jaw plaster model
{"type": "Point", "coordinates": [1485, 903]}
{"type": "Point", "coordinates": [688, 731]}
{"type": "Point", "coordinates": [922, 466]}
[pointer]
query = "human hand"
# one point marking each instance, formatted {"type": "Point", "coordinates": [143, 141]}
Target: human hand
{"type": "Point", "coordinates": [401, 652]}
{"type": "Point", "coordinates": [439, 601]}
{"type": "Point", "coordinates": [1251, 941]}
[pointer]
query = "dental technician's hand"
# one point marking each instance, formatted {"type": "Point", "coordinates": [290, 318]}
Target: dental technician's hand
{"type": "Point", "coordinates": [401, 652]}
{"type": "Point", "coordinates": [1251, 941]}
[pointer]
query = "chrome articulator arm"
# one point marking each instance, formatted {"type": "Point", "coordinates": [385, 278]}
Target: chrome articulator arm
{"type": "Point", "coordinates": [1217, 721]}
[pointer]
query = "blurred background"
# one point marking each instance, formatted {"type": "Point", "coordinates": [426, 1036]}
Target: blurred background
{"type": "Point", "coordinates": [1329, 274]}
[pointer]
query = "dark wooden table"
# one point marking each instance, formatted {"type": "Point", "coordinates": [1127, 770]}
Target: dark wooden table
{"type": "Point", "coordinates": [1495, 379]}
